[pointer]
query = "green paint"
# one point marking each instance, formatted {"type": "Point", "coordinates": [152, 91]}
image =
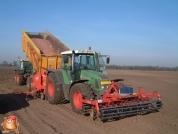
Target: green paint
{"type": "Point", "coordinates": [66, 76]}
{"type": "Point", "coordinates": [94, 79]}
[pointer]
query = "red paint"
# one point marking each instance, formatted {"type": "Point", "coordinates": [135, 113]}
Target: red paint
{"type": "Point", "coordinates": [112, 98]}
{"type": "Point", "coordinates": [50, 89]}
{"type": "Point", "coordinates": [77, 99]}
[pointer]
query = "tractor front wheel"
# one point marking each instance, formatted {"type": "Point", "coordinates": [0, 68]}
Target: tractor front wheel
{"type": "Point", "coordinates": [77, 93]}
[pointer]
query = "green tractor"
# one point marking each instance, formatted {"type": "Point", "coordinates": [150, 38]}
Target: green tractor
{"type": "Point", "coordinates": [22, 72]}
{"type": "Point", "coordinates": [83, 69]}
{"type": "Point", "coordinates": [83, 81]}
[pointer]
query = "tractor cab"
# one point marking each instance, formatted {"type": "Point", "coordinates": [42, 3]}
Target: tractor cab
{"type": "Point", "coordinates": [24, 68]}
{"type": "Point", "coordinates": [83, 60]}
{"type": "Point", "coordinates": [24, 64]}
{"type": "Point", "coordinates": [88, 66]}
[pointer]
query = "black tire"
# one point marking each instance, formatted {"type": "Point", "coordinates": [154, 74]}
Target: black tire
{"type": "Point", "coordinates": [87, 93]}
{"type": "Point", "coordinates": [28, 83]}
{"type": "Point", "coordinates": [54, 90]}
{"type": "Point", "coordinates": [19, 79]}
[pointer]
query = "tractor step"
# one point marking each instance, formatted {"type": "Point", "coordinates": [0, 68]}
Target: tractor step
{"type": "Point", "coordinates": [130, 110]}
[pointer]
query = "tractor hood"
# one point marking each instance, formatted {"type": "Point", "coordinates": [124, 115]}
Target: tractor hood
{"type": "Point", "coordinates": [91, 74]}
{"type": "Point", "coordinates": [95, 79]}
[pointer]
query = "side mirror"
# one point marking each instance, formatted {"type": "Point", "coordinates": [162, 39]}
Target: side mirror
{"type": "Point", "coordinates": [107, 60]}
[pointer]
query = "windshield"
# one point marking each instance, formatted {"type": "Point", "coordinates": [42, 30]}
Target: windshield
{"type": "Point", "coordinates": [102, 67]}
{"type": "Point", "coordinates": [27, 65]}
{"type": "Point", "coordinates": [84, 61]}
{"type": "Point", "coordinates": [24, 64]}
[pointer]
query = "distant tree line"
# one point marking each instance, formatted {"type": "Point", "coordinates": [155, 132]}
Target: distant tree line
{"type": "Point", "coordinates": [116, 67]}
{"type": "Point", "coordinates": [150, 68]}
{"type": "Point", "coordinates": [6, 64]}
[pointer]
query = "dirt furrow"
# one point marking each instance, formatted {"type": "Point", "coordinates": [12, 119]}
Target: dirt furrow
{"type": "Point", "coordinates": [37, 116]}
{"type": "Point", "coordinates": [58, 116]}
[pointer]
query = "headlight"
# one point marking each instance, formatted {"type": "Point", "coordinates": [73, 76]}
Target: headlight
{"type": "Point", "coordinates": [105, 82]}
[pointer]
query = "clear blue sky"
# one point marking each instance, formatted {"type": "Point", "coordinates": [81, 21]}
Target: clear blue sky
{"type": "Point", "coordinates": [132, 32]}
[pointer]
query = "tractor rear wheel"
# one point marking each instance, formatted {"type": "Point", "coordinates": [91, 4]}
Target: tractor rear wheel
{"type": "Point", "coordinates": [19, 79]}
{"type": "Point", "coordinates": [54, 90]}
{"type": "Point", "coordinates": [80, 91]}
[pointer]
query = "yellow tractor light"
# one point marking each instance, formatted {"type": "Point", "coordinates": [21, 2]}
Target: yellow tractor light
{"type": "Point", "coordinates": [105, 82]}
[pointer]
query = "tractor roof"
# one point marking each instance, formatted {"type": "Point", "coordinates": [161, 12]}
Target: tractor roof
{"type": "Point", "coordinates": [79, 51]}
{"type": "Point", "coordinates": [24, 60]}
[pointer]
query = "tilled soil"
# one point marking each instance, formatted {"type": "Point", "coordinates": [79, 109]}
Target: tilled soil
{"type": "Point", "coordinates": [37, 116]}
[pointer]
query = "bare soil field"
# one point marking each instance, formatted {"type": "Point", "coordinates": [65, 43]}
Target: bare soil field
{"type": "Point", "coordinates": [37, 116]}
